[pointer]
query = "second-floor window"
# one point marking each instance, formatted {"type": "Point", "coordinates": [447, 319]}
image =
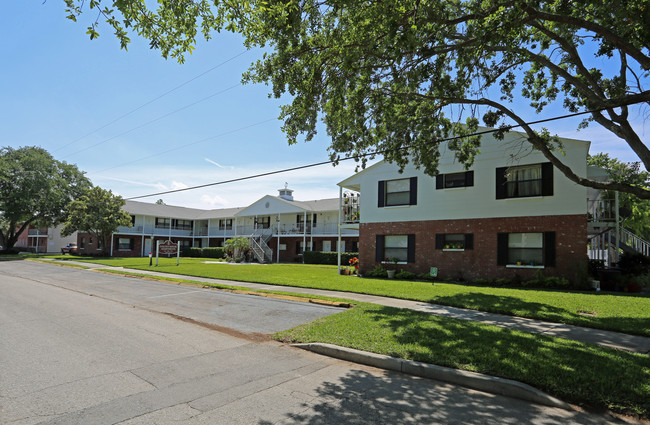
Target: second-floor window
{"type": "Point", "coordinates": [162, 223]}
{"type": "Point", "coordinates": [397, 192]}
{"type": "Point", "coordinates": [182, 224]}
{"type": "Point", "coordinates": [524, 181]}
{"type": "Point", "coordinates": [225, 224]}
{"type": "Point", "coordinates": [452, 180]}
{"type": "Point", "coordinates": [263, 222]}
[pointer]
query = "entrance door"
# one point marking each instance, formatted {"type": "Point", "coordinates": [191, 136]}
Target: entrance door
{"type": "Point", "coordinates": [147, 247]}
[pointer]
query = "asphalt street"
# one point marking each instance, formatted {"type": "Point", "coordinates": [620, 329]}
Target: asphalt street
{"type": "Point", "coordinates": [79, 347]}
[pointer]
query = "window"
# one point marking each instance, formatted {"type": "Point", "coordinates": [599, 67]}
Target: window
{"type": "Point", "coordinates": [300, 247]}
{"type": "Point", "coordinates": [263, 222]}
{"type": "Point", "coordinates": [225, 224]}
{"type": "Point", "coordinates": [185, 243]}
{"type": "Point", "coordinates": [401, 247]}
{"type": "Point", "coordinates": [526, 249]}
{"type": "Point", "coordinates": [132, 220]}
{"type": "Point", "coordinates": [451, 180]}
{"type": "Point", "coordinates": [124, 244]}
{"type": "Point", "coordinates": [162, 223]}
{"type": "Point", "coordinates": [397, 192]}
{"type": "Point", "coordinates": [524, 181]}
{"type": "Point", "coordinates": [327, 246]}
{"type": "Point", "coordinates": [90, 241]}
{"type": "Point", "coordinates": [83, 243]}
{"type": "Point", "coordinates": [182, 224]}
{"type": "Point", "coordinates": [100, 245]}
{"type": "Point", "coordinates": [455, 241]}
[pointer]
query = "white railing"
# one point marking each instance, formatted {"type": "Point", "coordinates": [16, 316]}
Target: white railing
{"type": "Point", "coordinates": [351, 207]}
{"type": "Point", "coordinates": [330, 229]}
{"type": "Point", "coordinates": [37, 232]}
{"type": "Point", "coordinates": [601, 210]}
{"type": "Point", "coordinates": [636, 243]}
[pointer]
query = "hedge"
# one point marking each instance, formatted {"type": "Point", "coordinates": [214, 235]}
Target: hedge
{"type": "Point", "coordinates": [322, 257]}
{"type": "Point", "coordinates": [215, 252]}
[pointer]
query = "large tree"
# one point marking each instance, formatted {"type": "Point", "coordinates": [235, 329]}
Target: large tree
{"type": "Point", "coordinates": [97, 212]}
{"type": "Point", "coordinates": [397, 76]}
{"type": "Point", "coordinates": [34, 190]}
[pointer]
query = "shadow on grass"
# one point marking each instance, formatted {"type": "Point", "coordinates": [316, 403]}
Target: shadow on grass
{"type": "Point", "coordinates": [572, 371]}
{"type": "Point", "coordinates": [518, 307]}
{"type": "Point", "coordinates": [360, 397]}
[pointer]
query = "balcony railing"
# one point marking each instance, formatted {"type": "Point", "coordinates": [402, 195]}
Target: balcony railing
{"type": "Point", "coordinates": [37, 232]}
{"type": "Point", "coordinates": [286, 229]}
{"type": "Point", "coordinates": [601, 210]}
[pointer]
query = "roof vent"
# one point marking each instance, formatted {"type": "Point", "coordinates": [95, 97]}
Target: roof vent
{"type": "Point", "coordinates": [286, 193]}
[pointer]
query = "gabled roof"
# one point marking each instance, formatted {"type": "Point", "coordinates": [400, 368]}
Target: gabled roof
{"type": "Point", "coordinates": [277, 205]}
{"type": "Point", "coordinates": [160, 210]}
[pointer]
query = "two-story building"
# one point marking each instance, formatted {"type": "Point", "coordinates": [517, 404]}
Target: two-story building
{"type": "Point", "coordinates": [280, 228]}
{"type": "Point", "coordinates": [510, 214]}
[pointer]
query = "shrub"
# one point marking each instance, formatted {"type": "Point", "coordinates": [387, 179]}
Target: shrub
{"type": "Point", "coordinates": [323, 257]}
{"type": "Point", "coordinates": [595, 266]}
{"type": "Point", "coordinates": [425, 276]}
{"type": "Point", "coordinates": [214, 252]}
{"type": "Point", "coordinates": [405, 275]}
{"type": "Point", "coordinates": [634, 264]}
{"type": "Point", "coordinates": [378, 271]}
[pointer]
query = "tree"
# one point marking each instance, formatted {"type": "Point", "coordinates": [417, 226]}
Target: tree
{"type": "Point", "coordinates": [637, 211]}
{"type": "Point", "coordinates": [237, 246]}
{"type": "Point", "coordinates": [97, 212]}
{"type": "Point", "coordinates": [396, 76]}
{"type": "Point", "coordinates": [34, 190]}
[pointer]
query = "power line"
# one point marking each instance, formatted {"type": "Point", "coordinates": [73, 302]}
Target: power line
{"type": "Point", "coordinates": [316, 164]}
{"type": "Point", "coordinates": [152, 100]}
{"type": "Point", "coordinates": [156, 119]}
{"type": "Point", "coordinates": [188, 144]}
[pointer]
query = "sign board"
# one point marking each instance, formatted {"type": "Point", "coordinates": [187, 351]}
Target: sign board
{"type": "Point", "coordinates": [433, 272]}
{"type": "Point", "coordinates": [167, 248]}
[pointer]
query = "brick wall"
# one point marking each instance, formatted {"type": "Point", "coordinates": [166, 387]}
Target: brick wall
{"type": "Point", "coordinates": [481, 261]}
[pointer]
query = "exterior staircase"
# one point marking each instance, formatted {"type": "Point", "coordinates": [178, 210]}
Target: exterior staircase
{"type": "Point", "coordinates": [259, 245]}
{"type": "Point", "coordinates": [602, 245]}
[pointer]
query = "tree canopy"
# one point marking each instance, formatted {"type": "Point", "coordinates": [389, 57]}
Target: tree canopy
{"type": "Point", "coordinates": [34, 190]}
{"type": "Point", "coordinates": [395, 77]}
{"type": "Point", "coordinates": [97, 212]}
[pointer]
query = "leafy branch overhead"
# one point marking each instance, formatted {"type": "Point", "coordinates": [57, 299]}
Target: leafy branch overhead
{"type": "Point", "coordinates": [395, 76]}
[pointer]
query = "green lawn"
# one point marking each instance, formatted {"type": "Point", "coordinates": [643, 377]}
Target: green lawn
{"type": "Point", "coordinates": [572, 371]}
{"type": "Point", "coordinates": [612, 311]}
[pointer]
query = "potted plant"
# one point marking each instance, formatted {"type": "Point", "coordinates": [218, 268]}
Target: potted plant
{"type": "Point", "coordinates": [354, 263]}
{"type": "Point", "coordinates": [391, 272]}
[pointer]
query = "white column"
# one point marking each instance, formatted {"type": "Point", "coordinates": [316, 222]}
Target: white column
{"type": "Point", "coordinates": [338, 244]}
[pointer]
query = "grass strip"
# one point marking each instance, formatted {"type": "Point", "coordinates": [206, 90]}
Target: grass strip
{"type": "Point", "coordinates": [620, 312]}
{"type": "Point", "coordinates": [572, 371]}
{"type": "Point", "coordinates": [332, 301]}
{"type": "Point", "coordinates": [60, 264]}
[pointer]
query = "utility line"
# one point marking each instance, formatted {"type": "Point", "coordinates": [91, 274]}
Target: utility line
{"type": "Point", "coordinates": [316, 164]}
{"type": "Point", "coordinates": [155, 119]}
{"type": "Point", "coordinates": [188, 144]}
{"type": "Point", "coordinates": [152, 100]}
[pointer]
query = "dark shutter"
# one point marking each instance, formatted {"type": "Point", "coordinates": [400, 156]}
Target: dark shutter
{"type": "Point", "coordinates": [549, 249]}
{"type": "Point", "coordinates": [314, 220]}
{"type": "Point", "coordinates": [298, 217]}
{"type": "Point", "coordinates": [469, 178]}
{"type": "Point", "coordinates": [379, 248]}
{"type": "Point", "coordinates": [411, 249]}
{"type": "Point", "coordinates": [547, 179]}
{"type": "Point", "coordinates": [131, 244]}
{"type": "Point", "coordinates": [414, 191]}
{"type": "Point", "coordinates": [502, 249]}
{"type": "Point", "coordinates": [440, 240]}
{"type": "Point", "coordinates": [381, 193]}
{"type": "Point", "coordinates": [501, 190]}
{"type": "Point", "coordinates": [469, 240]}
{"type": "Point", "coordinates": [440, 181]}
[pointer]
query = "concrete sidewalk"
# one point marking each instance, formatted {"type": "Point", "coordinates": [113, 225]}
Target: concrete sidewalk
{"type": "Point", "coordinates": [633, 343]}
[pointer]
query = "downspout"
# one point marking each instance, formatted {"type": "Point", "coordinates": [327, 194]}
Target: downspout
{"type": "Point", "coordinates": [278, 247]}
{"type": "Point", "coordinates": [112, 234]}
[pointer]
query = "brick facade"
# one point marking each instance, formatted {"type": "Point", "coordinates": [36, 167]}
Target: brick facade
{"type": "Point", "coordinates": [481, 261]}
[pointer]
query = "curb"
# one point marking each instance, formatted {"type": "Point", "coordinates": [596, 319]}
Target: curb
{"type": "Point", "coordinates": [477, 381]}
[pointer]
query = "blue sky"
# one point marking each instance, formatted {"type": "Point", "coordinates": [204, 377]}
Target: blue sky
{"type": "Point", "coordinates": [59, 90]}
